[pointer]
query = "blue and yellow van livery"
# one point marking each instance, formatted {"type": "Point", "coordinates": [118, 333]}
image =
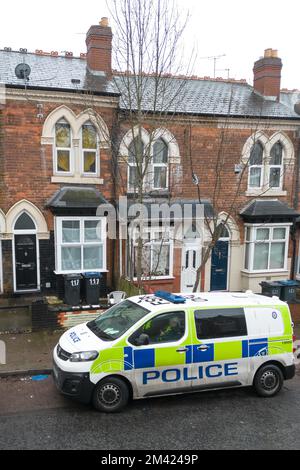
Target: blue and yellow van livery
{"type": "Point", "coordinates": [167, 344]}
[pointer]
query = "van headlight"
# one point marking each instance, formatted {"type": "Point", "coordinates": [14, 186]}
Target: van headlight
{"type": "Point", "coordinates": [85, 356]}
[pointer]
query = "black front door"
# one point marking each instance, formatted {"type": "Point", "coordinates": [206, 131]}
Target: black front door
{"type": "Point", "coordinates": [26, 262]}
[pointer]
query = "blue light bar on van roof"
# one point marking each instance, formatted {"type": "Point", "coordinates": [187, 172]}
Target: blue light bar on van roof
{"type": "Point", "coordinates": [174, 299]}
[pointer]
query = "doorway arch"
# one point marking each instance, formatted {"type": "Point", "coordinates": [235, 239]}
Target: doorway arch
{"type": "Point", "coordinates": [25, 254]}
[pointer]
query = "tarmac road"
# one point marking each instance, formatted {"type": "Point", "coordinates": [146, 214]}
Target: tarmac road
{"type": "Point", "coordinates": [34, 416]}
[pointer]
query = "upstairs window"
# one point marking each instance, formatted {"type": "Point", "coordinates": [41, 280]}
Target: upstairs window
{"type": "Point", "coordinates": [89, 149]}
{"type": "Point", "coordinates": [63, 163]}
{"type": "Point", "coordinates": [256, 166]}
{"type": "Point", "coordinates": [276, 166]}
{"type": "Point", "coordinates": [135, 156]}
{"type": "Point", "coordinates": [160, 165]}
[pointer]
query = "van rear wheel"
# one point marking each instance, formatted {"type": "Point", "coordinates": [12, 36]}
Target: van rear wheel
{"type": "Point", "coordinates": [111, 395]}
{"type": "Point", "coordinates": [268, 381]}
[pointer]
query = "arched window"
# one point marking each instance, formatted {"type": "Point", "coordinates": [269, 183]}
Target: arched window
{"type": "Point", "coordinates": [276, 165]}
{"type": "Point", "coordinates": [89, 140]}
{"type": "Point", "coordinates": [256, 166]}
{"type": "Point", "coordinates": [24, 222]}
{"type": "Point", "coordinates": [63, 163]}
{"type": "Point", "coordinates": [160, 164]}
{"type": "Point", "coordinates": [135, 158]}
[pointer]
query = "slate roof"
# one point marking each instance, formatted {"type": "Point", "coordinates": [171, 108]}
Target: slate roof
{"type": "Point", "coordinates": [268, 209]}
{"type": "Point", "coordinates": [194, 96]}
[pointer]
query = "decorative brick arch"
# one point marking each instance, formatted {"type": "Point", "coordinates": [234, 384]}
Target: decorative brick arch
{"type": "Point", "coordinates": [63, 112]}
{"type": "Point", "coordinates": [36, 215]}
{"type": "Point", "coordinates": [231, 226]}
{"type": "Point", "coordinates": [129, 137]}
{"type": "Point", "coordinates": [76, 122]}
{"type": "Point", "coordinates": [258, 136]}
{"type": "Point", "coordinates": [169, 139]}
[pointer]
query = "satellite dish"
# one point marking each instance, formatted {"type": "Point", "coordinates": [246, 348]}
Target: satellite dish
{"type": "Point", "coordinates": [23, 71]}
{"type": "Point", "coordinates": [297, 108]}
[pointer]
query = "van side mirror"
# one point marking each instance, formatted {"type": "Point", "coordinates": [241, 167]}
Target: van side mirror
{"type": "Point", "coordinates": [142, 340]}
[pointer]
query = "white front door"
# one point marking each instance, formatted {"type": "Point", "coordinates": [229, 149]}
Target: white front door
{"type": "Point", "coordinates": [190, 264]}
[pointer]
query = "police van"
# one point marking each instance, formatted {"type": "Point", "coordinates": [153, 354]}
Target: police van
{"type": "Point", "coordinates": [163, 344]}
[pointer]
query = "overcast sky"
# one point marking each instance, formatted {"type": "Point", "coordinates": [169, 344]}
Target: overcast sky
{"type": "Point", "coordinates": [241, 30]}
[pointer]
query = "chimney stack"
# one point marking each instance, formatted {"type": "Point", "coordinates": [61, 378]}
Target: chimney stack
{"type": "Point", "coordinates": [267, 74]}
{"type": "Point", "coordinates": [99, 48]}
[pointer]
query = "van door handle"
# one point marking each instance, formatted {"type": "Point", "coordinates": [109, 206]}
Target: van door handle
{"type": "Point", "coordinates": [183, 350]}
{"type": "Point", "coordinates": [204, 347]}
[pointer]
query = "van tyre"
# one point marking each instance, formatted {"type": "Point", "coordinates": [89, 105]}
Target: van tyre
{"type": "Point", "coordinates": [268, 381]}
{"type": "Point", "coordinates": [111, 395]}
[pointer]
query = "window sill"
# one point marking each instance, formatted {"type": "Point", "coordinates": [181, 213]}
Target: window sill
{"type": "Point", "coordinates": [77, 179]}
{"type": "Point", "coordinates": [66, 273]}
{"type": "Point", "coordinates": [281, 272]}
{"type": "Point", "coordinates": [266, 192]}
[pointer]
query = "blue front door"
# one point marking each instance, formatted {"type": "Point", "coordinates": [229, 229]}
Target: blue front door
{"type": "Point", "coordinates": [219, 266]}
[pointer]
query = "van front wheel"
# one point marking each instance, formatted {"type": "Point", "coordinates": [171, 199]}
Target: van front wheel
{"type": "Point", "coordinates": [268, 381]}
{"type": "Point", "coordinates": [111, 395]}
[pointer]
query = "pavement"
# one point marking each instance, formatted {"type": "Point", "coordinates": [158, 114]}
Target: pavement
{"type": "Point", "coordinates": [31, 353]}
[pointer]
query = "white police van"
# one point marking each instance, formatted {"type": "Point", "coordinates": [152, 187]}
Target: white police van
{"type": "Point", "coordinates": [165, 343]}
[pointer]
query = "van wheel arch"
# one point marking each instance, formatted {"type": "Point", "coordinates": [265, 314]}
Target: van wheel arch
{"type": "Point", "coordinates": [273, 363]}
{"type": "Point", "coordinates": [120, 377]}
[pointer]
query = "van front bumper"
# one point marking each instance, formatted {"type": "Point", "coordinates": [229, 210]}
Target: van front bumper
{"type": "Point", "coordinates": [76, 386]}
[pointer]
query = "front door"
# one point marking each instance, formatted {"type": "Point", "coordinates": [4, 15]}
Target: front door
{"type": "Point", "coordinates": [190, 264]}
{"type": "Point", "coordinates": [26, 262]}
{"type": "Point", "coordinates": [219, 266]}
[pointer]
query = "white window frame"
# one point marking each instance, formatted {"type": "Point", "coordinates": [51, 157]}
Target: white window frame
{"type": "Point", "coordinates": [59, 244]}
{"type": "Point", "coordinates": [160, 165]}
{"type": "Point", "coordinates": [253, 229]}
{"type": "Point", "coordinates": [83, 150]}
{"type": "Point", "coordinates": [170, 243]}
{"type": "Point", "coordinates": [261, 167]}
{"type": "Point", "coordinates": [281, 168]}
{"type": "Point", "coordinates": [69, 149]}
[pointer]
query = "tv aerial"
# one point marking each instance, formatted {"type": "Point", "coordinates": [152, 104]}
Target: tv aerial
{"type": "Point", "coordinates": [23, 71]}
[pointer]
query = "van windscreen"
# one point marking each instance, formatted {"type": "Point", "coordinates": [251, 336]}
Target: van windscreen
{"type": "Point", "coordinates": [117, 320]}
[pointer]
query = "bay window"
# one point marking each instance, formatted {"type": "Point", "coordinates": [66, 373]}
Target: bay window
{"type": "Point", "coordinates": [80, 244]}
{"type": "Point", "coordinates": [266, 248]}
{"type": "Point", "coordinates": [157, 254]}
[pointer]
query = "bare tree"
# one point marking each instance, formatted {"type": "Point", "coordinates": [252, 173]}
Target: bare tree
{"type": "Point", "coordinates": [148, 46]}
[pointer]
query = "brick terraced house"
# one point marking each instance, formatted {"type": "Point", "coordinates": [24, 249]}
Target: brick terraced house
{"type": "Point", "coordinates": [57, 167]}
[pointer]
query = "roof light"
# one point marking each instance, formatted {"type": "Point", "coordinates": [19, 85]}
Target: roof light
{"type": "Point", "coordinates": [174, 299]}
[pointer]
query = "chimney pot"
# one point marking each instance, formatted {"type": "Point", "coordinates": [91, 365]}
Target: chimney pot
{"type": "Point", "coordinates": [104, 22]}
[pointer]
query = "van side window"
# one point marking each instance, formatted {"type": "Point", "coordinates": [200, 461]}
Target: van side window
{"type": "Point", "coordinates": [165, 328]}
{"type": "Point", "coordinates": [220, 323]}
